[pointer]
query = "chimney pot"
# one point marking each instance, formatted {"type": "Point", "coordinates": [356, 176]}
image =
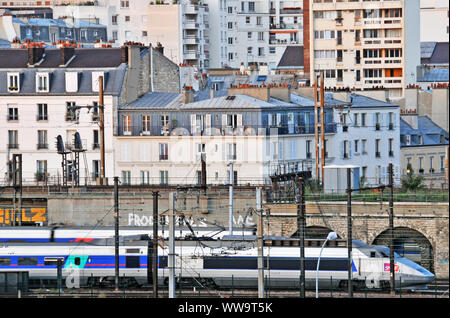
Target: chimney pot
{"type": "Point", "coordinates": [35, 54]}
{"type": "Point", "coordinates": [66, 53]}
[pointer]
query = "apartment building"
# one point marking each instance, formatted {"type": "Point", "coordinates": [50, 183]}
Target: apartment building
{"type": "Point", "coordinates": [368, 136]}
{"type": "Point", "coordinates": [363, 44]}
{"type": "Point", "coordinates": [183, 28]}
{"type": "Point", "coordinates": [38, 88]}
{"type": "Point", "coordinates": [49, 31]}
{"type": "Point", "coordinates": [253, 32]}
{"type": "Point", "coordinates": [161, 138]}
{"type": "Point", "coordinates": [424, 148]}
{"type": "Point", "coordinates": [125, 20]}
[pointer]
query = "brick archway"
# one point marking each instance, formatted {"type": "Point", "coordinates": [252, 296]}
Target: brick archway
{"type": "Point", "coordinates": [409, 243]}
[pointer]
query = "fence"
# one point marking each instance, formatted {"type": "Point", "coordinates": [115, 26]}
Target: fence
{"type": "Point", "coordinates": [200, 290]}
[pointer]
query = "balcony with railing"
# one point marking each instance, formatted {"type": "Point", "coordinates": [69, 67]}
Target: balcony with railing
{"type": "Point", "coordinates": [191, 25]}
{"type": "Point", "coordinates": [245, 130]}
{"type": "Point", "coordinates": [190, 39]}
{"type": "Point", "coordinates": [190, 55]}
{"type": "Point", "coordinates": [191, 9]}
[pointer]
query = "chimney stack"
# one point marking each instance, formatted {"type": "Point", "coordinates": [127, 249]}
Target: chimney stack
{"type": "Point", "coordinates": [124, 57]}
{"type": "Point", "coordinates": [35, 54]}
{"type": "Point", "coordinates": [66, 53]}
{"type": "Point", "coordinates": [159, 48]}
{"type": "Point", "coordinates": [188, 95]}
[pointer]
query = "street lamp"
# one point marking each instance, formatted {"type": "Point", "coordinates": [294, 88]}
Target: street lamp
{"type": "Point", "coordinates": [331, 236]}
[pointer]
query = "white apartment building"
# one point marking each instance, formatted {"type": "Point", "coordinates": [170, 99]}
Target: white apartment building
{"type": "Point", "coordinates": [35, 110]}
{"type": "Point", "coordinates": [364, 44]}
{"type": "Point", "coordinates": [249, 32]}
{"type": "Point", "coordinates": [434, 21]}
{"type": "Point", "coordinates": [161, 137]}
{"type": "Point", "coordinates": [367, 136]}
{"type": "Point", "coordinates": [183, 29]}
{"type": "Point", "coordinates": [38, 88]}
{"type": "Point", "coordinates": [126, 20]}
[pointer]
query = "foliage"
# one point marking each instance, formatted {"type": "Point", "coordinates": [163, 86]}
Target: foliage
{"type": "Point", "coordinates": [313, 186]}
{"type": "Point", "coordinates": [412, 182]}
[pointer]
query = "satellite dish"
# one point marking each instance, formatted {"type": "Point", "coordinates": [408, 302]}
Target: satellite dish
{"type": "Point", "coordinates": [60, 144]}
{"type": "Point", "coordinates": [77, 142]}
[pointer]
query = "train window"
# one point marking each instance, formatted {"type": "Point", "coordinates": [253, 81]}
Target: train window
{"type": "Point", "coordinates": [132, 262]}
{"type": "Point", "coordinates": [77, 261]}
{"type": "Point", "coordinates": [27, 261]}
{"type": "Point", "coordinates": [373, 254]}
{"type": "Point", "coordinates": [132, 251]}
{"type": "Point", "coordinates": [53, 260]}
{"type": "Point", "coordinates": [5, 261]}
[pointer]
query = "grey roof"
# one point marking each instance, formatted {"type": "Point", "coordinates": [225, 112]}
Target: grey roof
{"type": "Point", "coordinates": [364, 101]}
{"type": "Point", "coordinates": [292, 57]}
{"type": "Point", "coordinates": [427, 128]}
{"type": "Point", "coordinates": [154, 100]}
{"type": "Point", "coordinates": [440, 54]}
{"type": "Point", "coordinates": [113, 82]}
{"type": "Point", "coordinates": [301, 100]}
{"type": "Point", "coordinates": [434, 75]}
{"type": "Point", "coordinates": [226, 102]}
{"type": "Point", "coordinates": [57, 23]}
{"type": "Point", "coordinates": [426, 49]}
{"type": "Point", "coordinates": [84, 58]}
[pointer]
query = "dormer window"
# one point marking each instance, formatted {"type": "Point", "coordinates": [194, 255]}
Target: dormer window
{"type": "Point", "coordinates": [95, 80]}
{"type": "Point", "coordinates": [13, 82]}
{"type": "Point", "coordinates": [42, 82]}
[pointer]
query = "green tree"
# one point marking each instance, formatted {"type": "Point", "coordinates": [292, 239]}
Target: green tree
{"type": "Point", "coordinates": [411, 182]}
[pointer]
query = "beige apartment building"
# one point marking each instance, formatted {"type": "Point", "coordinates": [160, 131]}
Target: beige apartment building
{"type": "Point", "coordinates": [363, 44]}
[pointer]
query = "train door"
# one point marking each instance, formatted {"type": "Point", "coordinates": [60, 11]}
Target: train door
{"type": "Point", "coordinates": [74, 270]}
{"type": "Point", "coordinates": [372, 271]}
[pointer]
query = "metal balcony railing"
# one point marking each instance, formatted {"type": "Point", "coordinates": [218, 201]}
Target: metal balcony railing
{"type": "Point", "coordinates": [244, 130]}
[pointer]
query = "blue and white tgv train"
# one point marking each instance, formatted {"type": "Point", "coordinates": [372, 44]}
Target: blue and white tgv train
{"type": "Point", "coordinates": [216, 263]}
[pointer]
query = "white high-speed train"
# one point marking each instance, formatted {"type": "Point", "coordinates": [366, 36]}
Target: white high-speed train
{"type": "Point", "coordinates": [222, 263]}
{"type": "Point", "coordinates": [86, 234]}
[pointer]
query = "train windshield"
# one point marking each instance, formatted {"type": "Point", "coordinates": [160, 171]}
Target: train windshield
{"type": "Point", "coordinates": [384, 251]}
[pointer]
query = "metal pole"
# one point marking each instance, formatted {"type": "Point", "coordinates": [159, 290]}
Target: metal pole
{"type": "Point", "coordinates": [155, 244]}
{"type": "Point", "coordinates": [102, 129]}
{"type": "Point", "coordinates": [203, 162]}
{"type": "Point", "coordinates": [317, 270]}
{"type": "Point", "coordinates": [260, 244]}
{"type": "Point", "coordinates": [322, 128]}
{"type": "Point", "coordinates": [59, 274]}
{"type": "Point", "coordinates": [301, 231]}
{"type": "Point", "coordinates": [230, 219]}
{"type": "Point", "coordinates": [171, 245]}
{"type": "Point", "coordinates": [20, 188]}
{"type": "Point", "coordinates": [391, 228]}
{"type": "Point", "coordinates": [349, 233]}
{"type": "Point", "coordinates": [316, 131]}
{"type": "Point", "coordinates": [116, 231]}
{"type": "Point", "coordinates": [14, 173]}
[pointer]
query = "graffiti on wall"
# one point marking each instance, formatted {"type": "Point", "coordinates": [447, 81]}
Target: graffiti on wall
{"type": "Point", "coordinates": [28, 215]}
{"type": "Point", "coordinates": [144, 220]}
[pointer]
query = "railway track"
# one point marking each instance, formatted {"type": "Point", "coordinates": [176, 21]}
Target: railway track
{"type": "Point", "coordinates": [435, 290]}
